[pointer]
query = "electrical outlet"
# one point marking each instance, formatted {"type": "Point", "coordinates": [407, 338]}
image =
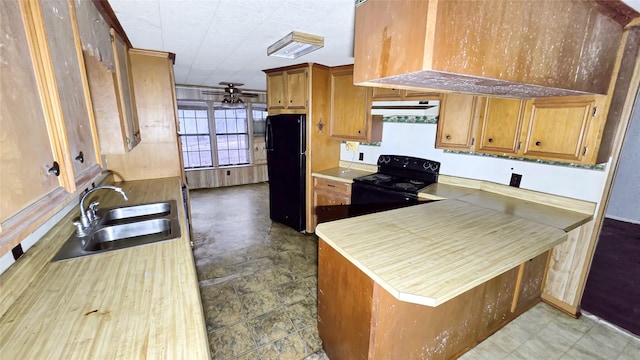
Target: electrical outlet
{"type": "Point", "coordinates": [352, 146]}
{"type": "Point", "coordinates": [515, 180]}
{"type": "Point", "coordinates": [361, 157]}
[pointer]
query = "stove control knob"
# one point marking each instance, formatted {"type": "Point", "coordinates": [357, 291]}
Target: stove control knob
{"type": "Point", "coordinates": [405, 162]}
{"type": "Point", "coordinates": [385, 159]}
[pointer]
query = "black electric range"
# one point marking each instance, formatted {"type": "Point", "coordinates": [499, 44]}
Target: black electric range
{"type": "Point", "coordinates": [398, 180]}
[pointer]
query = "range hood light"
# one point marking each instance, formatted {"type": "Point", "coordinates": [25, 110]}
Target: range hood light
{"type": "Point", "coordinates": [295, 45]}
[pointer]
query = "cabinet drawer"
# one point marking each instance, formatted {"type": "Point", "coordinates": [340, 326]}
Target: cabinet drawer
{"type": "Point", "coordinates": [333, 186]}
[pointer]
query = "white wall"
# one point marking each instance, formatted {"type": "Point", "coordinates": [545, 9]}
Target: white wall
{"type": "Point", "coordinates": [624, 203]}
{"type": "Point", "coordinates": [419, 140]}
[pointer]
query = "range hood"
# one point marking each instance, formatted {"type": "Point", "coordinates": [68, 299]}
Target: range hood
{"type": "Point", "coordinates": [520, 49]}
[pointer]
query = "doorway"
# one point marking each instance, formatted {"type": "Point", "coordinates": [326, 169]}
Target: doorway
{"type": "Point", "coordinates": [612, 291]}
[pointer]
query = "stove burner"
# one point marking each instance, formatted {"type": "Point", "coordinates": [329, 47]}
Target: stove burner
{"type": "Point", "coordinates": [381, 177]}
{"type": "Point", "coordinates": [404, 186]}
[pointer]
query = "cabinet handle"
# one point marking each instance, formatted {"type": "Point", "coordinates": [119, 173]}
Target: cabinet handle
{"type": "Point", "coordinates": [331, 185]}
{"type": "Point", "coordinates": [290, 101]}
{"type": "Point", "coordinates": [538, 143]}
{"type": "Point", "coordinates": [359, 131]}
{"type": "Point", "coordinates": [448, 137]}
{"type": "Point", "coordinates": [490, 139]}
{"type": "Point", "coordinates": [55, 169]}
{"type": "Point", "coordinates": [80, 157]}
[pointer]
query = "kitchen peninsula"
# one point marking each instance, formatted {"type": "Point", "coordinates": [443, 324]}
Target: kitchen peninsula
{"type": "Point", "coordinates": [428, 281]}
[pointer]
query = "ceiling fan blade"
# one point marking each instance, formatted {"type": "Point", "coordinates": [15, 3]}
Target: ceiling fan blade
{"type": "Point", "coordinates": [212, 92]}
{"type": "Point", "coordinates": [247, 95]}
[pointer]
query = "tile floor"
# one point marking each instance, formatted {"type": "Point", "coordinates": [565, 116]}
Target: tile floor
{"type": "Point", "coordinates": [258, 286]}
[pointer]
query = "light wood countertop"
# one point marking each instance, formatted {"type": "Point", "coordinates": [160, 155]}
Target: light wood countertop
{"type": "Point", "coordinates": [341, 174]}
{"type": "Point", "coordinates": [140, 302]}
{"type": "Point", "coordinates": [427, 254]}
{"type": "Point", "coordinates": [554, 216]}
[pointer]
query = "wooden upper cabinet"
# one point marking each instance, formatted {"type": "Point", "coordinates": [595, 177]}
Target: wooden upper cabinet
{"type": "Point", "coordinates": [26, 152]}
{"type": "Point", "coordinates": [351, 108]}
{"type": "Point", "coordinates": [297, 89]}
{"type": "Point", "coordinates": [500, 125]}
{"type": "Point", "coordinates": [65, 52]}
{"type": "Point", "coordinates": [456, 122]}
{"type": "Point", "coordinates": [124, 92]}
{"type": "Point", "coordinates": [378, 93]}
{"type": "Point", "coordinates": [520, 49]}
{"type": "Point", "coordinates": [558, 128]}
{"type": "Point", "coordinates": [276, 91]}
{"type": "Point", "coordinates": [390, 94]}
{"type": "Point", "coordinates": [287, 89]}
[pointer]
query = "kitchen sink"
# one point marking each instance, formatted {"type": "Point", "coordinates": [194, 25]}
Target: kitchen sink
{"type": "Point", "coordinates": [124, 227]}
{"type": "Point", "coordinates": [137, 212]}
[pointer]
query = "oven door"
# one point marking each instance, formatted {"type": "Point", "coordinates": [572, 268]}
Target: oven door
{"type": "Point", "coordinates": [362, 193]}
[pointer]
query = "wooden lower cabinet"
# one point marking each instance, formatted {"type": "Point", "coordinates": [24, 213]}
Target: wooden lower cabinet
{"type": "Point", "coordinates": [329, 192]}
{"type": "Point", "coordinates": [358, 319]}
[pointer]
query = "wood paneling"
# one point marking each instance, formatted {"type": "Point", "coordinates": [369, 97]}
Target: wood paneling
{"type": "Point", "coordinates": [517, 49]}
{"type": "Point", "coordinates": [345, 304]}
{"type": "Point", "coordinates": [157, 155]}
{"type": "Point", "coordinates": [568, 268]}
{"type": "Point", "coordinates": [359, 319]}
{"type": "Point", "coordinates": [211, 178]}
{"type": "Point", "coordinates": [102, 86]}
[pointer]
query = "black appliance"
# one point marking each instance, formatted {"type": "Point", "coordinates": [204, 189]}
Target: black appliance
{"type": "Point", "coordinates": [398, 180]}
{"type": "Point", "coordinates": [285, 142]}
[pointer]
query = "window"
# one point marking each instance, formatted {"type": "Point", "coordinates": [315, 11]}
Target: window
{"type": "Point", "coordinates": [259, 117]}
{"type": "Point", "coordinates": [213, 135]}
{"type": "Point", "coordinates": [232, 136]}
{"type": "Point", "coordinates": [195, 135]}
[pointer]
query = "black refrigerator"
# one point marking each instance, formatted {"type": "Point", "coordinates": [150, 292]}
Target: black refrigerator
{"type": "Point", "coordinates": [285, 141]}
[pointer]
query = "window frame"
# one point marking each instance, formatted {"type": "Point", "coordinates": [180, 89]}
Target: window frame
{"type": "Point", "coordinates": [212, 106]}
{"type": "Point", "coordinates": [196, 105]}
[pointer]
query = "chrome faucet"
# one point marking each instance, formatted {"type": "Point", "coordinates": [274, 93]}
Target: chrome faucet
{"type": "Point", "coordinates": [88, 220]}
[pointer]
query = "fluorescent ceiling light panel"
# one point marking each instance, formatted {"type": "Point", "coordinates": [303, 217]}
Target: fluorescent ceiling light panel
{"type": "Point", "coordinates": [295, 45]}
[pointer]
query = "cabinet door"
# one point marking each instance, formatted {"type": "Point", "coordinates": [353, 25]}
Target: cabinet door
{"type": "Point", "coordinates": [500, 126]}
{"type": "Point", "coordinates": [420, 95]}
{"type": "Point", "coordinates": [557, 128]}
{"type": "Point", "coordinates": [330, 193]}
{"type": "Point", "coordinates": [70, 80]}
{"type": "Point", "coordinates": [126, 97]}
{"type": "Point", "coordinates": [350, 107]}
{"type": "Point", "coordinates": [25, 149]}
{"type": "Point", "coordinates": [386, 94]}
{"type": "Point", "coordinates": [276, 91]}
{"type": "Point", "coordinates": [458, 114]}
{"type": "Point", "coordinates": [297, 89]}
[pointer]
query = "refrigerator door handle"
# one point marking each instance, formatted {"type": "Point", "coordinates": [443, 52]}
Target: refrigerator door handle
{"type": "Point", "coordinates": [268, 136]}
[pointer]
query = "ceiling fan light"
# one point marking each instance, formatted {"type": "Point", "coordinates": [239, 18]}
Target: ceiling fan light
{"type": "Point", "coordinates": [295, 44]}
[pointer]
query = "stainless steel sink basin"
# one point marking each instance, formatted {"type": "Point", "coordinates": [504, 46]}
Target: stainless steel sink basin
{"type": "Point", "coordinates": [127, 213]}
{"type": "Point", "coordinates": [124, 227]}
{"type": "Point", "coordinates": [127, 235]}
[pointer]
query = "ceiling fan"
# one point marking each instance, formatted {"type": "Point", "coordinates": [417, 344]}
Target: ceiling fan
{"type": "Point", "coordinates": [232, 94]}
